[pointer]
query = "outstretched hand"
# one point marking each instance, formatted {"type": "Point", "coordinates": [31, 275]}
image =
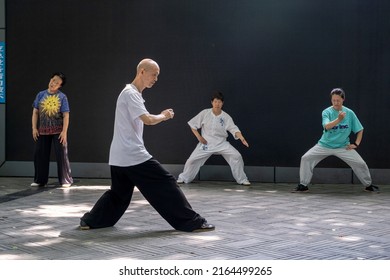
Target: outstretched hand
{"type": "Point", "coordinates": [243, 141]}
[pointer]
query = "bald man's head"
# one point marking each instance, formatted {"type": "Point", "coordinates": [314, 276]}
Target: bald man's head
{"type": "Point", "coordinates": [147, 64]}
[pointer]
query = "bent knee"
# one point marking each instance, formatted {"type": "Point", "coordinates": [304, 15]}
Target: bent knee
{"type": "Point", "coordinates": [361, 164]}
{"type": "Point", "coordinates": [305, 157]}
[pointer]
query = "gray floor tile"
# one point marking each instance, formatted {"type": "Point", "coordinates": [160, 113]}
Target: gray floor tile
{"type": "Point", "coordinates": [264, 221]}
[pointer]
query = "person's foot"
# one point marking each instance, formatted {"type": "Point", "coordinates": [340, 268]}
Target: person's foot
{"type": "Point", "coordinates": [180, 181]}
{"type": "Point", "coordinates": [83, 225]}
{"type": "Point", "coordinates": [246, 183]}
{"type": "Point", "coordinates": [372, 189]}
{"type": "Point", "coordinates": [66, 185]}
{"type": "Point", "coordinates": [300, 189]}
{"type": "Point", "coordinates": [37, 185]}
{"type": "Point", "coordinates": [205, 227]}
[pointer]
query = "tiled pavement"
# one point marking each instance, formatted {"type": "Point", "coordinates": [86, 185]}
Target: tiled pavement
{"type": "Point", "coordinates": [261, 222]}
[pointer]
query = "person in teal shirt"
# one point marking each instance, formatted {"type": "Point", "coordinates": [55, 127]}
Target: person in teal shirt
{"type": "Point", "coordinates": [338, 122]}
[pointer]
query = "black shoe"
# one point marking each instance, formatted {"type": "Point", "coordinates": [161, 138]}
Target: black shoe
{"type": "Point", "coordinates": [372, 189]}
{"type": "Point", "coordinates": [83, 225]}
{"type": "Point", "coordinates": [301, 188]}
{"type": "Point", "coordinates": [205, 227]}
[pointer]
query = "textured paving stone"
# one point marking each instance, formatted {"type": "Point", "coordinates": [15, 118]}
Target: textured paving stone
{"type": "Point", "coordinates": [264, 221]}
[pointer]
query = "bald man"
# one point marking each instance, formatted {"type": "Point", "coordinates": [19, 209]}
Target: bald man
{"type": "Point", "coordinates": [131, 164]}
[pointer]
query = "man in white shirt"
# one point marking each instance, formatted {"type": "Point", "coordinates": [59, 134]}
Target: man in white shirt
{"type": "Point", "coordinates": [132, 165]}
{"type": "Point", "coordinates": [215, 125]}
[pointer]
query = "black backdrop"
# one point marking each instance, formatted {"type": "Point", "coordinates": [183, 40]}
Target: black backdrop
{"type": "Point", "coordinates": [275, 60]}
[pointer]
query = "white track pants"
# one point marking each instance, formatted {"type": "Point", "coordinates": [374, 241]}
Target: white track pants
{"type": "Point", "coordinates": [199, 157]}
{"type": "Point", "coordinates": [312, 157]}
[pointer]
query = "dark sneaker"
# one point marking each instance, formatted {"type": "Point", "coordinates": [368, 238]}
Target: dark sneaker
{"type": "Point", "coordinates": [205, 227]}
{"type": "Point", "coordinates": [300, 188]}
{"type": "Point", "coordinates": [372, 189]}
{"type": "Point", "coordinates": [83, 225]}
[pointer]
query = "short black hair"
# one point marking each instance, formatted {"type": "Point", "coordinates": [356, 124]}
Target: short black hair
{"type": "Point", "coordinates": [217, 95]}
{"type": "Point", "coordinates": [338, 91]}
{"type": "Point", "coordinates": [61, 75]}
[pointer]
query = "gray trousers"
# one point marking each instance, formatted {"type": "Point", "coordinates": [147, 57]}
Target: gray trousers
{"type": "Point", "coordinates": [313, 156]}
{"type": "Point", "coordinates": [199, 156]}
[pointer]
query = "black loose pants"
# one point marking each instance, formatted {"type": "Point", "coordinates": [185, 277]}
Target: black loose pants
{"type": "Point", "coordinates": [42, 160]}
{"type": "Point", "coordinates": [158, 187]}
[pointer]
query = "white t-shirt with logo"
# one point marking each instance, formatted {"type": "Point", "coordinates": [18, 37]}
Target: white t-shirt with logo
{"type": "Point", "coordinates": [214, 128]}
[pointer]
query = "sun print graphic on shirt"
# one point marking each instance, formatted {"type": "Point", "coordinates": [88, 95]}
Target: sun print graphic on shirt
{"type": "Point", "coordinates": [51, 105]}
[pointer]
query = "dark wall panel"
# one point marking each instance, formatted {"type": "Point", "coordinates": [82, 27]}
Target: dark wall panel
{"type": "Point", "coordinates": [275, 61]}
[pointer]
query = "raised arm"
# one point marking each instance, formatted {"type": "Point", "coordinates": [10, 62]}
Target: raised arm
{"type": "Point", "coordinates": [150, 119]}
{"type": "Point", "coordinates": [335, 122]}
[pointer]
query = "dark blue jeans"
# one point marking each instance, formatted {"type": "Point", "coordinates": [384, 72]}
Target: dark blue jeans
{"type": "Point", "coordinates": [158, 187]}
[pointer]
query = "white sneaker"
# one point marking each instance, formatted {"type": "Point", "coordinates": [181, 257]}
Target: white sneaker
{"type": "Point", "coordinates": [36, 185]}
{"type": "Point", "coordinates": [180, 181]}
{"type": "Point", "coordinates": [66, 185]}
{"type": "Point", "coordinates": [246, 183]}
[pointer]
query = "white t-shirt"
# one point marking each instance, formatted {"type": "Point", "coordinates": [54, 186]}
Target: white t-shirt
{"type": "Point", "coordinates": [127, 146]}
